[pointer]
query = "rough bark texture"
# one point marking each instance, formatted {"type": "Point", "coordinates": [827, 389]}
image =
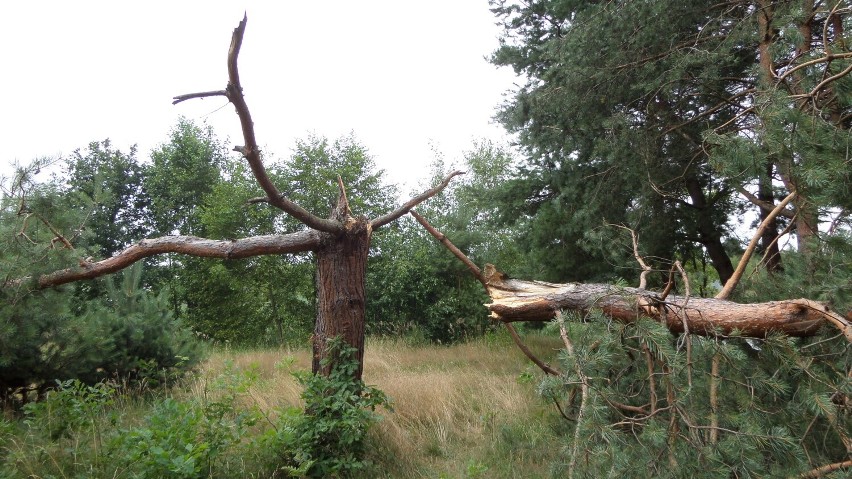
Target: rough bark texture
{"type": "Point", "coordinates": [191, 245]}
{"type": "Point", "coordinates": [341, 299]}
{"type": "Point", "coordinates": [515, 300]}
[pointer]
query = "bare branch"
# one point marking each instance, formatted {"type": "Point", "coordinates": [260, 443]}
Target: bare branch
{"type": "Point", "coordinates": [302, 241]}
{"type": "Point", "coordinates": [643, 277]}
{"type": "Point", "coordinates": [258, 199]}
{"type": "Point", "coordinates": [652, 382]}
{"type": "Point", "coordinates": [584, 393]}
{"type": "Point", "coordinates": [251, 152]}
{"type": "Point", "coordinates": [450, 246]}
{"type": "Point", "coordinates": [342, 200]}
{"type": "Point", "coordinates": [823, 470]}
{"type": "Point", "coordinates": [688, 340]}
{"type": "Point", "coordinates": [204, 94]}
{"type": "Point", "coordinates": [738, 273]}
{"type": "Point", "coordinates": [714, 397]}
{"type": "Point", "coordinates": [824, 59]}
{"type": "Point", "coordinates": [825, 82]}
{"type": "Point", "coordinates": [410, 204]}
{"type": "Point", "coordinates": [529, 354]}
{"type": "Point", "coordinates": [787, 213]}
{"type": "Point", "coordinates": [669, 284]}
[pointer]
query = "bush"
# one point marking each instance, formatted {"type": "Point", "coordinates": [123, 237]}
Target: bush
{"type": "Point", "coordinates": [130, 337]}
{"type": "Point", "coordinates": [327, 439]}
{"type": "Point", "coordinates": [81, 430]}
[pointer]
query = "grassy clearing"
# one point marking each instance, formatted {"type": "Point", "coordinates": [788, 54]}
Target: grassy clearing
{"type": "Point", "coordinates": [466, 410]}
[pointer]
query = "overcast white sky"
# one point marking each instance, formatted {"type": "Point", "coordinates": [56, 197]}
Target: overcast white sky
{"type": "Point", "coordinates": [402, 75]}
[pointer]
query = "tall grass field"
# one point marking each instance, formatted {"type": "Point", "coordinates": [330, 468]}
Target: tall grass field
{"type": "Point", "coordinates": [465, 410]}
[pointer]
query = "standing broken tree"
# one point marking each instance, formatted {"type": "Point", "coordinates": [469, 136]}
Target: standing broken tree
{"type": "Point", "coordinates": [339, 242]}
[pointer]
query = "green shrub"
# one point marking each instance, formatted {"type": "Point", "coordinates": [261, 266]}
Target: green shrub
{"type": "Point", "coordinates": [70, 408]}
{"type": "Point", "coordinates": [130, 338]}
{"type": "Point", "coordinates": [186, 439]}
{"type": "Point", "coordinates": [327, 439]}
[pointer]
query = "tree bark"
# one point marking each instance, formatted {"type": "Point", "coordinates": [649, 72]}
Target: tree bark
{"type": "Point", "coordinates": [769, 238]}
{"type": "Point", "coordinates": [709, 234]}
{"type": "Point", "coordinates": [341, 298]}
{"type": "Point", "coordinates": [516, 300]}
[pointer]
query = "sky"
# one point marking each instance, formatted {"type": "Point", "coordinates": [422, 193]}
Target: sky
{"type": "Point", "coordinates": [406, 78]}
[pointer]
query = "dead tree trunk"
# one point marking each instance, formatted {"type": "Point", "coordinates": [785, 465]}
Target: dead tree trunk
{"type": "Point", "coordinates": [515, 300]}
{"type": "Point", "coordinates": [341, 295]}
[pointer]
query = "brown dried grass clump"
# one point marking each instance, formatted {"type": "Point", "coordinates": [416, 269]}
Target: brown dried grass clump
{"type": "Point", "coordinates": [452, 405]}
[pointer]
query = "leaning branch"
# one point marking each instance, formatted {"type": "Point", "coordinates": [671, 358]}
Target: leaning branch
{"type": "Point", "coordinates": [410, 204]}
{"type": "Point", "coordinates": [250, 150]}
{"type": "Point", "coordinates": [474, 269]}
{"type": "Point", "coordinates": [765, 205]}
{"type": "Point", "coordinates": [741, 266]}
{"type": "Point", "coordinates": [477, 273]}
{"type": "Point", "coordinates": [302, 241]}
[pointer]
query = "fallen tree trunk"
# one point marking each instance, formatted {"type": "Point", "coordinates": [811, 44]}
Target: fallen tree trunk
{"type": "Point", "coordinates": [515, 300]}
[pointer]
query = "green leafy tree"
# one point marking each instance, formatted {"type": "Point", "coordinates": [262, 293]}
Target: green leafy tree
{"type": "Point", "coordinates": [183, 172]}
{"type": "Point", "coordinates": [108, 185]}
{"type": "Point", "coordinates": [445, 304]}
{"type": "Point", "coordinates": [315, 165]}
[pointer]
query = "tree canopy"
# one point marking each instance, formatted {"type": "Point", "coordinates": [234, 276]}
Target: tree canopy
{"type": "Point", "coordinates": [675, 119]}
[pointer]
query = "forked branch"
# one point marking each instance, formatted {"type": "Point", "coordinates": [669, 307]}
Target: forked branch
{"type": "Point", "coordinates": [250, 150]}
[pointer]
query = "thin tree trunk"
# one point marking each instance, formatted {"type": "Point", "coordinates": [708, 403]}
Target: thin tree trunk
{"type": "Point", "coordinates": [710, 235]}
{"type": "Point", "coordinates": [770, 234]}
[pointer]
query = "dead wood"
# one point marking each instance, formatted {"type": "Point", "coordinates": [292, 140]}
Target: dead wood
{"type": "Point", "coordinates": [302, 241]}
{"type": "Point", "coordinates": [516, 300]}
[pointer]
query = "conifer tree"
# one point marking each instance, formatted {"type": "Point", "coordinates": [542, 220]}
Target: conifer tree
{"type": "Point", "coordinates": [672, 117]}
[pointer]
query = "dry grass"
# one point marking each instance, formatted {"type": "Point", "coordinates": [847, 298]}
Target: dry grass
{"type": "Point", "coordinates": [462, 411]}
{"type": "Point", "coordinates": [454, 407]}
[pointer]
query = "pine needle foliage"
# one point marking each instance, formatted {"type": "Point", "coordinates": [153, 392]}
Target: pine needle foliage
{"type": "Point", "coordinates": [655, 405]}
{"type": "Point", "coordinates": [50, 336]}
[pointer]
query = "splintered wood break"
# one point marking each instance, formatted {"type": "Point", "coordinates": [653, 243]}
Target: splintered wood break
{"type": "Point", "coordinates": [517, 300]}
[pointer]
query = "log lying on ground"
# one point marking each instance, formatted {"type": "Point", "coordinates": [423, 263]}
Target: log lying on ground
{"type": "Point", "coordinates": [516, 300]}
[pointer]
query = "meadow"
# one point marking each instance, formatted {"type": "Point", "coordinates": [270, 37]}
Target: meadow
{"type": "Point", "coordinates": [463, 410]}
